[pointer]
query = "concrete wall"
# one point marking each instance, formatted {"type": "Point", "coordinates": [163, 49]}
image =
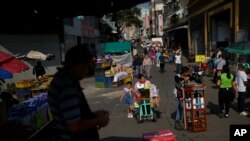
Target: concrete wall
{"type": "Point", "coordinates": [197, 34]}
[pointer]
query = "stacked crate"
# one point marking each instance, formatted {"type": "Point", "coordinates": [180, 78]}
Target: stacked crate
{"type": "Point", "coordinates": [108, 81]}
{"type": "Point", "coordinates": [23, 93]}
{"type": "Point", "coordinates": [100, 77]}
{"type": "Point", "coordinates": [128, 79]}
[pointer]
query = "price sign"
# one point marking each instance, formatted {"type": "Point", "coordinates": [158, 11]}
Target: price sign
{"type": "Point", "coordinates": [200, 58]}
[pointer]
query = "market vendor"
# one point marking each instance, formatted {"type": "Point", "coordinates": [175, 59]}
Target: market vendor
{"type": "Point", "coordinates": [39, 70]}
{"type": "Point", "coordinates": [119, 73]}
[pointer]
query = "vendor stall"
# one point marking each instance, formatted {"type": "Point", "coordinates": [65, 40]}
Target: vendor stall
{"type": "Point", "coordinates": [114, 69]}
{"type": "Point", "coordinates": [31, 114]}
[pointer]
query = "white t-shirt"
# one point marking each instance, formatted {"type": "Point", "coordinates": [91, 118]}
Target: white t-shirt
{"type": "Point", "coordinates": [178, 59]}
{"type": "Point", "coordinates": [241, 77]}
{"type": "Point", "coordinates": [218, 54]}
{"type": "Point", "coordinates": [220, 63]}
{"type": "Point", "coordinates": [134, 51]}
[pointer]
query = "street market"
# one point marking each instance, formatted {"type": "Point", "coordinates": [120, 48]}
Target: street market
{"type": "Point", "coordinates": [119, 70]}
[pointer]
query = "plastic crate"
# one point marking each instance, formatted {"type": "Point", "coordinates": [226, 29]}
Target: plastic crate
{"type": "Point", "coordinates": [99, 79]}
{"type": "Point", "coordinates": [118, 83]}
{"type": "Point", "coordinates": [23, 94]}
{"type": "Point", "coordinates": [108, 82]}
{"type": "Point", "coordinates": [108, 79]}
{"type": "Point", "coordinates": [127, 79]}
{"type": "Point", "coordinates": [99, 84]}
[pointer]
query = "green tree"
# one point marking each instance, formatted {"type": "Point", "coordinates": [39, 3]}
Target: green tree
{"type": "Point", "coordinates": [128, 18]}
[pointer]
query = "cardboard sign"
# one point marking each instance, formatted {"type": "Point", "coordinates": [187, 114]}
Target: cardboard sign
{"type": "Point", "coordinates": [200, 58]}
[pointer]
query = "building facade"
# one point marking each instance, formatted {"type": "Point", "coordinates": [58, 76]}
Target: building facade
{"type": "Point", "coordinates": [156, 21]}
{"type": "Point", "coordinates": [176, 24]}
{"type": "Point", "coordinates": [217, 23]}
{"type": "Point", "coordinates": [145, 20]}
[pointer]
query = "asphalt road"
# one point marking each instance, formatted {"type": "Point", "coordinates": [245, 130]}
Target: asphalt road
{"type": "Point", "coordinates": [122, 128]}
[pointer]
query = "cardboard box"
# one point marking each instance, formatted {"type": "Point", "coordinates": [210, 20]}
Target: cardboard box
{"type": "Point", "coordinates": [162, 135]}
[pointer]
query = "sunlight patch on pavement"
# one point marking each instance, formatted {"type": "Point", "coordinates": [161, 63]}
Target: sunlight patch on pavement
{"type": "Point", "coordinates": [111, 95]}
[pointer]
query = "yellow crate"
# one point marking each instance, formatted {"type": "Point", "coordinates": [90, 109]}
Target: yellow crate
{"type": "Point", "coordinates": [127, 79]}
{"type": "Point", "coordinates": [130, 70]}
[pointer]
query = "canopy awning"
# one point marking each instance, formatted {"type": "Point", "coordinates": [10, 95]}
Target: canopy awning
{"type": "Point", "coordinates": [117, 47]}
{"type": "Point", "coordinates": [11, 64]}
{"type": "Point", "coordinates": [180, 27]}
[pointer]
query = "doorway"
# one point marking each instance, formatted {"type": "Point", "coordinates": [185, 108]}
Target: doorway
{"type": "Point", "coordinates": [220, 30]}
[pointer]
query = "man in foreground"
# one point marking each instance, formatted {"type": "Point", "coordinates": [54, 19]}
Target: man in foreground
{"type": "Point", "coordinates": [72, 115]}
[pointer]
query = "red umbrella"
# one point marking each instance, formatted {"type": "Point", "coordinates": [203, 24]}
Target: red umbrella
{"type": "Point", "coordinates": [4, 57]}
{"type": "Point", "coordinates": [11, 64]}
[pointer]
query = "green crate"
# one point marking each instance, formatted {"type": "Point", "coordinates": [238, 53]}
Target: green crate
{"type": "Point", "coordinates": [99, 84]}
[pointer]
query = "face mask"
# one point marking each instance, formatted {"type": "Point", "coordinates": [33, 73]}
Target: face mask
{"type": "Point", "coordinates": [142, 81]}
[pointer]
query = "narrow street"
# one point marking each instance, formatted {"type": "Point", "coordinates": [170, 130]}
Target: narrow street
{"type": "Point", "coordinates": [122, 128]}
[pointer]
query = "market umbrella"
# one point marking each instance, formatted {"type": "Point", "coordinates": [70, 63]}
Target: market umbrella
{"type": "Point", "coordinates": [241, 48]}
{"type": "Point", "coordinates": [4, 57]}
{"type": "Point", "coordinates": [37, 55]}
{"type": "Point", "coordinates": [10, 64]}
{"type": "Point", "coordinates": [5, 74]}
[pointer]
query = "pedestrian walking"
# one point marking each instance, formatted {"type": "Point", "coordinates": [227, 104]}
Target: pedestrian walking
{"type": "Point", "coordinates": [219, 64]}
{"type": "Point", "coordinates": [227, 91]}
{"type": "Point", "coordinates": [73, 118]}
{"type": "Point", "coordinates": [127, 97]}
{"type": "Point", "coordinates": [147, 64]}
{"type": "Point", "coordinates": [178, 62]}
{"type": "Point", "coordinates": [181, 78]}
{"type": "Point", "coordinates": [162, 62]}
{"type": "Point", "coordinates": [138, 60]}
{"type": "Point", "coordinates": [241, 80]}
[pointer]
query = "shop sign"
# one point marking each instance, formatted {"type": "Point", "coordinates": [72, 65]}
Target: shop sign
{"type": "Point", "coordinates": [200, 58]}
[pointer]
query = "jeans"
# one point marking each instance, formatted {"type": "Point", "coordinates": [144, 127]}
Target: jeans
{"type": "Point", "coordinates": [241, 101]}
{"type": "Point", "coordinates": [162, 65]}
{"type": "Point", "coordinates": [179, 112]}
{"type": "Point", "coordinates": [178, 68]}
{"type": "Point", "coordinates": [147, 69]}
{"type": "Point", "coordinates": [138, 70]}
{"type": "Point", "coordinates": [225, 98]}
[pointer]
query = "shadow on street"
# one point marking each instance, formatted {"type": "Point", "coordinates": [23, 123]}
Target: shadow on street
{"type": "Point", "coordinates": [121, 139]}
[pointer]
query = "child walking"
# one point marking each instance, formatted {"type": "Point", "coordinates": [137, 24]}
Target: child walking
{"type": "Point", "coordinates": [127, 98]}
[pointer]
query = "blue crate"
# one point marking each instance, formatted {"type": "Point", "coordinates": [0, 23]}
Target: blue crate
{"type": "Point", "coordinates": [99, 72]}
{"type": "Point", "coordinates": [99, 79]}
{"type": "Point", "coordinates": [108, 82]}
{"type": "Point", "coordinates": [108, 79]}
{"type": "Point", "coordinates": [107, 85]}
{"type": "Point", "coordinates": [23, 91]}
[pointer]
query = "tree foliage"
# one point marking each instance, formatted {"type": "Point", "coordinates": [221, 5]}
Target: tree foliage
{"type": "Point", "coordinates": [128, 18]}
